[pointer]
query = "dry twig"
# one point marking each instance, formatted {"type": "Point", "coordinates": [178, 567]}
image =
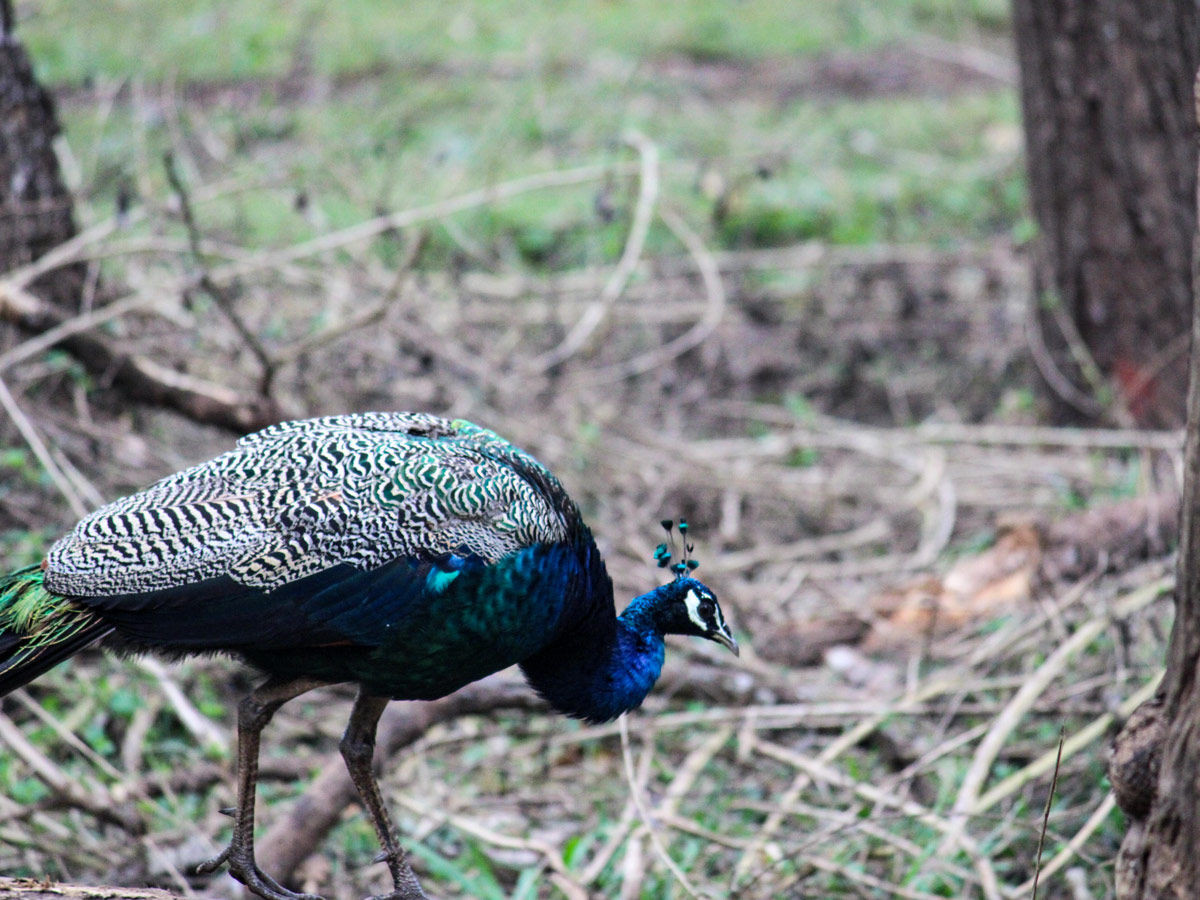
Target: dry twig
{"type": "Point", "coordinates": [594, 314]}
{"type": "Point", "coordinates": [42, 452]}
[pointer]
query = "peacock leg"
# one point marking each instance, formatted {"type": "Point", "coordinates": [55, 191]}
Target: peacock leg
{"type": "Point", "coordinates": [253, 715]}
{"type": "Point", "coordinates": [358, 750]}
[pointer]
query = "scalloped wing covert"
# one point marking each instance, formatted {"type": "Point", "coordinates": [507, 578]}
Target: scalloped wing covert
{"type": "Point", "coordinates": [302, 497]}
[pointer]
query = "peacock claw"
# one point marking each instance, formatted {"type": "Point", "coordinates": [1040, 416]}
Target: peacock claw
{"type": "Point", "coordinates": [211, 865]}
{"type": "Point", "coordinates": [243, 868]}
{"type": "Point", "coordinates": [263, 885]}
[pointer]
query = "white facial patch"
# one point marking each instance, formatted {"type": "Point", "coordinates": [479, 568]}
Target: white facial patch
{"type": "Point", "coordinates": [693, 600]}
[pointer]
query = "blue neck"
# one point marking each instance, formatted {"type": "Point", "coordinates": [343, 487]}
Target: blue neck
{"type": "Point", "coordinates": [599, 676]}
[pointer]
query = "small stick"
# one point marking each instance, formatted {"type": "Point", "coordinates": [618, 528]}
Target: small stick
{"type": "Point", "coordinates": [406, 218]}
{"type": "Point", "coordinates": [1037, 871]}
{"type": "Point", "coordinates": [205, 281]}
{"type": "Point", "coordinates": [617, 281]}
{"type": "Point", "coordinates": [29, 433]}
{"type": "Point", "coordinates": [714, 311]}
{"type": "Point", "coordinates": [363, 318]}
{"type": "Point", "coordinates": [655, 838]}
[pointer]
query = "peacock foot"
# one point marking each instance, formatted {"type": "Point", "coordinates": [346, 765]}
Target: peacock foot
{"type": "Point", "coordinates": [406, 885]}
{"type": "Point", "coordinates": [211, 865]}
{"type": "Point", "coordinates": [243, 867]}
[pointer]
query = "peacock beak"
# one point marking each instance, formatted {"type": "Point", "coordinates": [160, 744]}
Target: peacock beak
{"type": "Point", "coordinates": [726, 640]}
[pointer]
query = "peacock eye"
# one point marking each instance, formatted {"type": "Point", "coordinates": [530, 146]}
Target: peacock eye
{"type": "Point", "coordinates": [706, 608]}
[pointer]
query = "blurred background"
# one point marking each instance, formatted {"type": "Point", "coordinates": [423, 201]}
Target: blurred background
{"type": "Point", "coordinates": [775, 267]}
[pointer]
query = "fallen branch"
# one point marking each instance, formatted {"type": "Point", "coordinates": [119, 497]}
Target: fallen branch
{"type": "Point", "coordinates": [141, 379]}
{"type": "Point", "coordinates": [406, 218]}
{"type": "Point", "coordinates": [714, 288]}
{"type": "Point", "coordinates": [9, 404]}
{"type": "Point", "coordinates": [970, 788]}
{"type": "Point", "coordinates": [28, 889]}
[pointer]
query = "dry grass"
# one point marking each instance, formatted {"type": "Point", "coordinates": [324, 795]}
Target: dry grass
{"type": "Point", "coordinates": [917, 769]}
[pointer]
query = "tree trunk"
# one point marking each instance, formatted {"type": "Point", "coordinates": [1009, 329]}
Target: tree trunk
{"type": "Point", "coordinates": [37, 214]}
{"type": "Point", "coordinates": [1106, 92]}
{"type": "Point", "coordinates": [1155, 766]}
{"type": "Point", "coordinates": [35, 207]}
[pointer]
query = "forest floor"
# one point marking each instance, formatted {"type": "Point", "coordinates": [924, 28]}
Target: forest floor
{"type": "Point", "coordinates": [767, 277]}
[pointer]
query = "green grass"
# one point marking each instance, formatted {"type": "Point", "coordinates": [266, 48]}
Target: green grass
{"type": "Point", "coordinates": [501, 90]}
{"type": "Point", "coordinates": [213, 40]}
{"type": "Point", "coordinates": [910, 169]}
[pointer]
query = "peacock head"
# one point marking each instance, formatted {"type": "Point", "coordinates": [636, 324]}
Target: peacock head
{"type": "Point", "coordinates": [685, 605]}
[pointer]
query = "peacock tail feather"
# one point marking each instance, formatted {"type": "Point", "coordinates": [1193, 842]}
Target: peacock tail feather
{"type": "Point", "coordinates": [38, 628]}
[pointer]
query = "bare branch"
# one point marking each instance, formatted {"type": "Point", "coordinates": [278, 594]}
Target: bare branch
{"type": "Point", "coordinates": [204, 280]}
{"type": "Point", "coordinates": [142, 378]}
{"type": "Point", "coordinates": [38, 446]}
{"type": "Point", "coordinates": [714, 288]}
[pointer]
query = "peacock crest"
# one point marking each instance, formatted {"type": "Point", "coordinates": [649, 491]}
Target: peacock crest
{"type": "Point", "coordinates": [665, 552]}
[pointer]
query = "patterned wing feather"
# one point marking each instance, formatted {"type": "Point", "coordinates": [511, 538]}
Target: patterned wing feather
{"type": "Point", "coordinates": [301, 498]}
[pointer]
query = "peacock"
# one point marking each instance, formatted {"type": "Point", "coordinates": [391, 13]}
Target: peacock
{"type": "Point", "coordinates": [402, 552]}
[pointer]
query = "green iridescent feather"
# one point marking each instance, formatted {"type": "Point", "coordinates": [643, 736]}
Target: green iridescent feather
{"type": "Point", "coordinates": [36, 618]}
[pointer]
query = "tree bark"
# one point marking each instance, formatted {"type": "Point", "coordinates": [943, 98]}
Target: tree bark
{"type": "Point", "coordinates": [36, 215]}
{"type": "Point", "coordinates": [36, 210]}
{"type": "Point", "coordinates": [1106, 93]}
{"type": "Point", "coordinates": [1155, 767]}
